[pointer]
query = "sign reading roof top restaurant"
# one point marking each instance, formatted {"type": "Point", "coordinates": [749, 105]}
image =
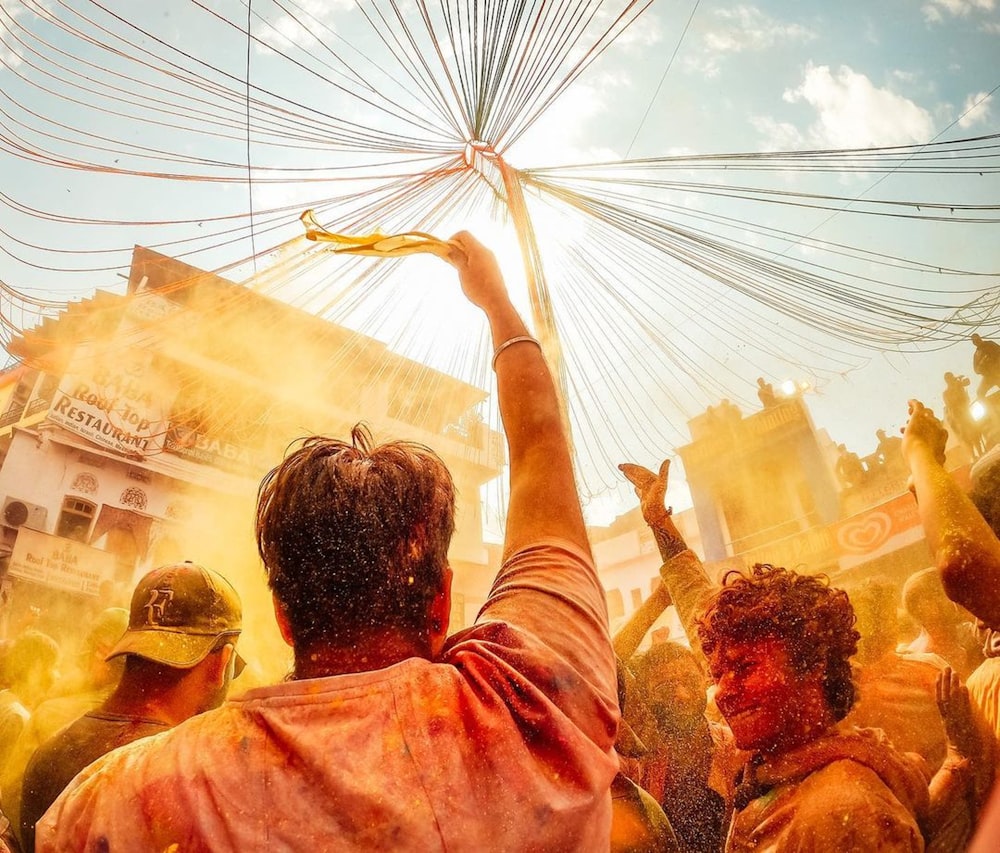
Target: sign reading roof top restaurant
{"type": "Point", "coordinates": [119, 399]}
{"type": "Point", "coordinates": [118, 394]}
{"type": "Point", "coordinates": [59, 563]}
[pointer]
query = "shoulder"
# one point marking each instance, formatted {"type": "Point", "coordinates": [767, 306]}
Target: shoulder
{"type": "Point", "coordinates": [547, 551]}
{"type": "Point", "coordinates": [114, 791]}
{"type": "Point", "coordinates": [851, 806]}
{"type": "Point", "coordinates": [549, 579]}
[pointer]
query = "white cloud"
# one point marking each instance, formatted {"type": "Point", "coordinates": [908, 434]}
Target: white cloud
{"type": "Point", "coordinates": [9, 58]}
{"type": "Point", "coordinates": [643, 32]}
{"type": "Point", "coordinates": [778, 135]}
{"type": "Point", "coordinates": [935, 10]}
{"type": "Point", "coordinates": [852, 112]}
{"type": "Point", "coordinates": [975, 110]}
{"type": "Point", "coordinates": [285, 31]}
{"type": "Point", "coordinates": [742, 29]}
{"type": "Point", "coordinates": [559, 135]}
{"type": "Point", "coordinates": [746, 28]}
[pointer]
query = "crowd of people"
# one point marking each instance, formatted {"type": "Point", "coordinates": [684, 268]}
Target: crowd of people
{"type": "Point", "coordinates": [791, 715]}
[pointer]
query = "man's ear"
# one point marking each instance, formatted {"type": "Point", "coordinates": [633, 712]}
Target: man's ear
{"type": "Point", "coordinates": [218, 663]}
{"type": "Point", "coordinates": [284, 626]}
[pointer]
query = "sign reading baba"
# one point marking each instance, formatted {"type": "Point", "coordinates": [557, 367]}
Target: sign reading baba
{"type": "Point", "coordinates": [59, 563]}
{"type": "Point", "coordinates": [118, 401]}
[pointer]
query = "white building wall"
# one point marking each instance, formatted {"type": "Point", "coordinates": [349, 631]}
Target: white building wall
{"type": "Point", "coordinates": [629, 565]}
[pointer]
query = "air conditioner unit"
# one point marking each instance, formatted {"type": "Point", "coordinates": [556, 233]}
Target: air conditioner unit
{"type": "Point", "coordinates": [18, 513]}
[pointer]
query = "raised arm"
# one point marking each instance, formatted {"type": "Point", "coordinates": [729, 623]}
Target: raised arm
{"type": "Point", "coordinates": [682, 571]}
{"type": "Point", "coordinates": [966, 550]}
{"type": "Point", "coordinates": [543, 497]}
{"type": "Point", "coordinates": [629, 637]}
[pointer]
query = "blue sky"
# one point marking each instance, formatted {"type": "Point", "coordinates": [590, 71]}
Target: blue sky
{"type": "Point", "coordinates": [685, 78]}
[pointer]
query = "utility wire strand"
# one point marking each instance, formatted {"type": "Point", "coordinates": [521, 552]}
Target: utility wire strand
{"type": "Point", "coordinates": [666, 71]}
{"type": "Point", "coordinates": [371, 133]}
{"type": "Point", "coordinates": [253, 238]}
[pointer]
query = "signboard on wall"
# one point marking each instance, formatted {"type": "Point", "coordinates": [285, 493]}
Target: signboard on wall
{"type": "Point", "coordinates": [878, 531]}
{"type": "Point", "coordinates": [59, 563]}
{"type": "Point", "coordinates": [118, 398]}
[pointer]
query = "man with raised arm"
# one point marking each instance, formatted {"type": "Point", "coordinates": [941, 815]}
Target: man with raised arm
{"type": "Point", "coordinates": [391, 735]}
{"type": "Point", "coordinates": [966, 551]}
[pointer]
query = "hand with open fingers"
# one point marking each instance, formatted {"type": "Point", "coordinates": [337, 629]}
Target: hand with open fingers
{"type": "Point", "coordinates": [651, 489]}
{"type": "Point", "coordinates": [924, 430]}
{"type": "Point", "coordinates": [478, 270]}
{"type": "Point", "coordinates": [956, 711]}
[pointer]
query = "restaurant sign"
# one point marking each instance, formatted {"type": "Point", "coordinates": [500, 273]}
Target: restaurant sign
{"type": "Point", "coordinates": [59, 563]}
{"type": "Point", "coordinates": [119, 400]}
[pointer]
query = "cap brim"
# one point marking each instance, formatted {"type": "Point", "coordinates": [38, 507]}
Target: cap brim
{"type": "Point", "coordinates": [169, 647]}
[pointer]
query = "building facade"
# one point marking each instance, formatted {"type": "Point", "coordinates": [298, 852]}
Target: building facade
{"type": "Point", "coordinates": [138, 426]}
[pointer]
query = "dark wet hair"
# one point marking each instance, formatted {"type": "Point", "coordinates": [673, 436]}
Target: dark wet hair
{"type": "Point", "coordinates": [354, 537]}
{"type": "Point", "coordinates": [815, 622]}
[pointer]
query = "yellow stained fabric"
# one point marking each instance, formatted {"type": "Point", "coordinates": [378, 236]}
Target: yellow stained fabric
{"type": "Point", "coordinates": [376, 244]}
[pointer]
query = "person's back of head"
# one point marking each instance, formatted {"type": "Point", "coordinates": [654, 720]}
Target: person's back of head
{"type": "Point", "coordinates": [927, 602]}
{"type": "Point", "coordinates": [673, 687]}
{"type": "Point", "coordinates": [93, 670]}
{"type": "Point", "coordinates": [985, 494]}
{"type": "Point", "coordinates": [29, 666]}
{"type": "Point", "coordinates": [354, 538]}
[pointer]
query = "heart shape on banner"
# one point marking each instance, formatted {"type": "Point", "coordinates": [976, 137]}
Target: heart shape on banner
{"type": "Point", "coordinates": [865, 535]}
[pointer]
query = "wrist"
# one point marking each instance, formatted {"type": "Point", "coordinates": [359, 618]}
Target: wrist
{"type": "Point", "coordinates": [922, 454]}
{"type": "Point", "coordinates": [669, 542]}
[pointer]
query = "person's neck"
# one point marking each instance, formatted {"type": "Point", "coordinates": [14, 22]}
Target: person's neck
{"type": "Point", "coordinates": [796, 738]}
{"type": "Point", "coordinates": [130, 699]}
{"type": "Point", "coordinates": [320, 660]}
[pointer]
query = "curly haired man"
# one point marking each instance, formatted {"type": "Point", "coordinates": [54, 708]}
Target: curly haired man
{"type": "Point", "coordinates": [778, 646]}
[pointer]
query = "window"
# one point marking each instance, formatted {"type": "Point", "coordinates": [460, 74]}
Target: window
{"type": "Point", "coordinates": [75, 519]}
{"type": "Point", "coordinates": [43, 396]}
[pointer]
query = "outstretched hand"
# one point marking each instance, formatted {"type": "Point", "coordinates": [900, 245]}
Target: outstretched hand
{"type": "Point", "coordinates": [956, 711]}
{"type": "Point", "coordinates": [924, 430]}
{"type": "Point", "coordinates": [651, 489]}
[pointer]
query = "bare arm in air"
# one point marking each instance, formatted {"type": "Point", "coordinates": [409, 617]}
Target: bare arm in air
{"type": "Point", "coordinates": [629, 637]}
{"type": "Point", "coordinates": [966, 550]}
{"type": "Point", "coordinates": [682, 572]}
{"type": "Point", "coordinates": [543, 497]}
